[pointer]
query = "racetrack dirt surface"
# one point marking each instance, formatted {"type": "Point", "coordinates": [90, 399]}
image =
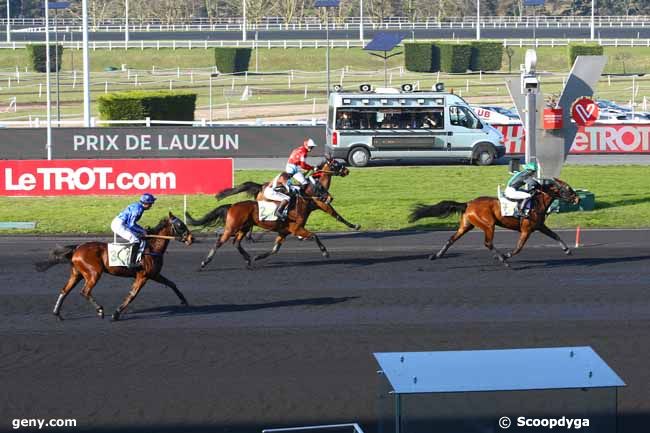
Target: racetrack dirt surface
{"type": "Point", "coordinates": [290, 343]}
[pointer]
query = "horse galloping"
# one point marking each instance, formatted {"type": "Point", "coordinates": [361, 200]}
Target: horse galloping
{"type": "Point", "coordinates": [239, 219]}
{"type": "Point", "coordinates": [485, 213]}
{"type": "Point", "coordinates": [90, 260]}
{"type": "Point", "coordinates": [328, 168]}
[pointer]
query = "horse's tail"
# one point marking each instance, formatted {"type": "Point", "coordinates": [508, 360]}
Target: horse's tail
{"type": "Point", "coordinates": [440, 210]}
{"type": "Point", "coordinates": [250, 188]}
{"type": "Point", "coordinates": [216, 215]}
{"type": "Point", "coordinates": [57, 255]}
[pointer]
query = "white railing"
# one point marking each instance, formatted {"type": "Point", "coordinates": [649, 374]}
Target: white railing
{"type": "Point", "coordinates": [235, 22]}
{"type": "Point", "coordinates": [189, 44]}
{"type": "Point", "coordinates": [299, 43]}
{"type": "Point", "coordinates": [94, 122]}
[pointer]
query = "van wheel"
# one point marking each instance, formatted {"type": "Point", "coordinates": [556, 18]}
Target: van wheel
{"type": "Point", "coordinates": [484, 155]}
{"type": "Point", "coordinates": [359, 157]}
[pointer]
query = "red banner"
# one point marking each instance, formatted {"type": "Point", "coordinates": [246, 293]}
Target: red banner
{"type": "Point", "coordinates": [115, 176]}
{"type": "Point", "coordinates": [595, 139]}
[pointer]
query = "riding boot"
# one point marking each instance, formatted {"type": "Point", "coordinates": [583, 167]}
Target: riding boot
{"type": "Point", "coordinates": [138, 258]}
{"type": "Point", "coordinates": [524, 209]}
{"type": "Point", "coordinates": [280, 212]}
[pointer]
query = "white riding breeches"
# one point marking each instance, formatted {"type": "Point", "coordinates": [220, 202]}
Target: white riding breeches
{"type": "Point", "coordinates": [294, 170]}
{"type": "Point", "coordinates": [118, 227]}
{"type": "Point", "coordinates": [273, 195]}
{"type": "Point", "coordinates": [513, 194]}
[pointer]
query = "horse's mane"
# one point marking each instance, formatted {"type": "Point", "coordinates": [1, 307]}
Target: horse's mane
{"type": "Point", "coordinates": [321, 164]}
{"type": "Point", "coordinates": [161, 224]}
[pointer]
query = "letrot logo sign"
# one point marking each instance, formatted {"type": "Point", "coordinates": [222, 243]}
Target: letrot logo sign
{"type": "Point", "coordinates": [115, 177]}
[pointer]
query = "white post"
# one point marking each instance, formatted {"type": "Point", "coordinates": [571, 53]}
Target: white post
{"type": "Point", "coordinates": [210, 96]}
{"type": "Point", "coordinates": [593, 20]}
{"type": "Point", "coordinates": [361, 20]}
{"type": "Point", "coordinates": [48, 142]}
{"type": "Point", "coordinates": [86, 63]}
{"type": "Point", "coordinates": [126, 23]}
{"type": "Point", "coordinates": [8, 24]}
{"type": "Point", "coordinates": [243, 23]}
{"type": "Point", "coordinates": [185, 208]}
{"type": "Point", "coordinates": [478, 20]}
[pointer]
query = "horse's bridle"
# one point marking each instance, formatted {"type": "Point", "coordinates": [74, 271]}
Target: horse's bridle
{"type": "Point", "coordinates": [181, 237]}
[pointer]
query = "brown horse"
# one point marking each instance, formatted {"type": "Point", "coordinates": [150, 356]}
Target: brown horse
{"type": "Point", "coordinates": [485, 213]}
{"type": "Point", "coordinates": [239, 219]}
{"type": "Point", "coordinates": [324, 171]}
{"type": "Point", "coordinates": [90, 260]}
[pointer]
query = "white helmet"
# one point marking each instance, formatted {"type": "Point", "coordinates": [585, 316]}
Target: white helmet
{"type": "Point", "coordinates": [310, 143]}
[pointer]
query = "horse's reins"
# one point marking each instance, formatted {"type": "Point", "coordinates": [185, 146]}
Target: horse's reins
{"type": "Point", "coordinates": [171, 238]}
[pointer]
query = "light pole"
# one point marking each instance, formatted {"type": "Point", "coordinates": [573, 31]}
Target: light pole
{"type": "Point", "coordinates": [361, 20]}
{"type": "Point", "coordinates": [327, 4]}
{"type": "Point", "coordinates": [126, 23]}
{"type": "Point", "coordinates": [243, 23]}
{"type": "Point", "coordinates": [593, 19]}
{"type": "Point", "coordinates": [86, 63]}
{"type": "Point", "coordinates": [56, 6]}
{"type": "Point", "coordinates": [48, 142]}
{"type": "Point", "coordinates": [8, 22]}
{"type": "Point", "coordinates": [478, 20]}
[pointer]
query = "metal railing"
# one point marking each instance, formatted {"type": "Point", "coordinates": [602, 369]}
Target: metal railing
{"type": "Point", "coordinates": [334, 43]}
{"type": "Point", "coordinates": [315, 20]}
{"type": "Point", "coordinates": [234, 24]}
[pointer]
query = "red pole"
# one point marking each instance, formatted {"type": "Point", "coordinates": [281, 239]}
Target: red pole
{"type": "Point", "coordinates": [577, 236]}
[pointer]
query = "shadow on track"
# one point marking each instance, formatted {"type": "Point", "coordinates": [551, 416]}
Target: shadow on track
{"type": "Point", "coordinates": [191, 310]}
{"type": "Point", "coordinates": [361, 261]}
{"type": "Point", "coordinates": [588, 262]}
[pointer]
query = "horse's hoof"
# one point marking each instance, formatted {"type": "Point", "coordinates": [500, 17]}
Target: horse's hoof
{"type": "Point", "coordinates": [115, 317]}
{"type": "Point", "coordinates": [184, 303]}
{"type": "Point", "coordinates": [326, 254]}
{"type": "Point", "coordinates": [357, 227]}
{"type": "Point", "coordinates": [433, 256]}
{"type": "Point", "coordinates": [568, 252]}
{"type": "Point", "coordinates": [58, 317]}
{"type": "Point", "coordinates": [100, 313]}
{"type": "Point", "coordinates": [506, 256]}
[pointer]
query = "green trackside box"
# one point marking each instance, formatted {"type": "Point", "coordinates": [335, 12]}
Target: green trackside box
{"type": "Point", "coordinates": [587, 203]}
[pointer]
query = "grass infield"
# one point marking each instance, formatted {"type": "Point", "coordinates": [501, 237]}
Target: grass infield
{"type": "Point", "coordinates": [376, 198]}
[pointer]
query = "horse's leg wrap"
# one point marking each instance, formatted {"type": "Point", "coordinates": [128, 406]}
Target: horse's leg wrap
{"type": "Point", "coordinates": [211, 253]}
{"type": "Point", "coordinates": [551, 234]}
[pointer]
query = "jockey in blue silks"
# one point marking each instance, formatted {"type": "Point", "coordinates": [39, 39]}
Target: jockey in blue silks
{"type": "Point", "coordinates": [125, 225]}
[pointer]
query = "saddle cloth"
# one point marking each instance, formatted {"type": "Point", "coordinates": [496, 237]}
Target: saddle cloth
{"type": "Point", "coordinates": [122, 254]}
{"type": "Point", "coordinates": [266, 210]}
{"type": "Point", "coordinates": [508, 207]}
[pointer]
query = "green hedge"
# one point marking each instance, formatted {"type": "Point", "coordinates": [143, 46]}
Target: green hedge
{"type": "Point", "coordinates": [137, 105]}
{"type": "Point", "coordinates": [575, 50]}
{"type": "Point", "coordinates": [38, 57]}
{"type": "Point", "coordinates": [454, 57]}
{"type": "Point", "coordinates": [486, 56]}
{"type": "Point", "coordinates": [232, 60]}
{"type": "Point", "coordinates": [421, 57]}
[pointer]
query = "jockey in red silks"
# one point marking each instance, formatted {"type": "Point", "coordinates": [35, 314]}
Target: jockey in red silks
{"type": "Point", "coordinates": [297, 161]}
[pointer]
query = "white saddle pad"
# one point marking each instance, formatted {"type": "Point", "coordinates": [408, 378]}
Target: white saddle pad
{"type": "Point", "coordinates": [121, 254]}
{"type": "Point", "coordinates": [267, 210]}
{"type": "Point", "coordinates": [508, 207]}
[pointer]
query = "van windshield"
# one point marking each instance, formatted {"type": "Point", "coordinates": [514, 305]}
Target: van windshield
{"type": "Point", "coordinates": [463, 116]}
{"type": "Point", "coordinates": [390, 118]}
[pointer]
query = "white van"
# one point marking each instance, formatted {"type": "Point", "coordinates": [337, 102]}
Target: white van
{"type": "Point", "coordinates": [393, 124]}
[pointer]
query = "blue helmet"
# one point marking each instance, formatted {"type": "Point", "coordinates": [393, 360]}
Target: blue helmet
{"type": "Point", "coordinates": [147, 198]}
